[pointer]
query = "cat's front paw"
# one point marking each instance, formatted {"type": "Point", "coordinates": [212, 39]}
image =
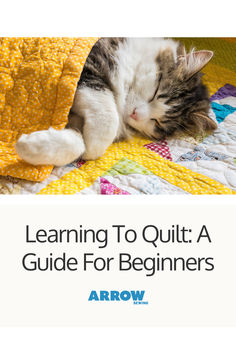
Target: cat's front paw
{"type": "Point", "coordinates": [31, 147]}
{"type": "Point", "coordinates": [50, 147]}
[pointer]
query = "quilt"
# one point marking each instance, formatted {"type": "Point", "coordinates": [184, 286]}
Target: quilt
{"type": "Point", "coordinates": [38, 79]}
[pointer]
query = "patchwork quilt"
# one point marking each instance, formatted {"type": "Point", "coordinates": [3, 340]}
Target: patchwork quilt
{"type": "Point", "coordinates": [206, 165]}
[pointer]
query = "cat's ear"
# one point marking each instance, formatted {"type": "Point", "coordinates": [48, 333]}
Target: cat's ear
{"type": "Point", "coordinates": [203, 122]}
{"type": "Point", "coordinates": [193, 62]}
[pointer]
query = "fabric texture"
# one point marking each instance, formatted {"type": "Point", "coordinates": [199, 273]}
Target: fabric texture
{"type": "Point", "coordinates": [38, 78]}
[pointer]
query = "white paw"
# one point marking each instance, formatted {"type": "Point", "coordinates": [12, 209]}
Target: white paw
{"type": "Point", "coordinates": [32, 147]}
{"type": "Point", "coordinates": [50, 147]}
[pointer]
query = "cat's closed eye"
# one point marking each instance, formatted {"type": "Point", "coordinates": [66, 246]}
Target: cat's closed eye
{"type": "Point", "coordinates": [166, 121]}
{"type": "Point", "coordinates": [162, 95]}
{"type": "Point", "coordinates": [157, 88]}
{"type": "Point", "coordinates": [155, 120]}
{"type": "Point", "coordinates": [157, 123]}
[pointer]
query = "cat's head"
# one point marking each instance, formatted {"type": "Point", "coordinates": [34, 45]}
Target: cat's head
{"type": "Point", "coordinates": [175, 101]}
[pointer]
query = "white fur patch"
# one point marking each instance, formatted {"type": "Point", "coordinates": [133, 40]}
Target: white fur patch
{"type": "Point", "coordinates": [101, 120]}
{"type": "Point", "coordinates": [50, 147]}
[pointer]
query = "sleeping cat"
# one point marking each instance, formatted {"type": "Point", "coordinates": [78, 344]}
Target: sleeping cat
{"type": "Point", "coordinates": [128, 85]}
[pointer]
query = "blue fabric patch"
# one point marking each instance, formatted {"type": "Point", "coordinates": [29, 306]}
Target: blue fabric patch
{"type": "Point", "coordinates": [222, 111]}
{"type": "Point", "coordinates": [200, 153]}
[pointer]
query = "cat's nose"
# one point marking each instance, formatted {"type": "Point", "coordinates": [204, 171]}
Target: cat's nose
{"type": "Point", "coordinates": [134, 115]}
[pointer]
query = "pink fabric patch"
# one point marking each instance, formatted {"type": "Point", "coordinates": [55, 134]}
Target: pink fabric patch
{"type": "Point", "coordinates": [161, 148]}
{"type": "Point", "coordinates": [79, 163]}
{"type": "Point", "coordinates": [109, 188]}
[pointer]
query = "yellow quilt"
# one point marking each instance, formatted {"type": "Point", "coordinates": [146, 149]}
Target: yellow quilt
{"type": "Point", "coordinates": [38, 79]}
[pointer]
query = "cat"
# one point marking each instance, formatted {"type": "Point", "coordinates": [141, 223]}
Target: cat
{"type": "Point", "coordinates": [145, 85]}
